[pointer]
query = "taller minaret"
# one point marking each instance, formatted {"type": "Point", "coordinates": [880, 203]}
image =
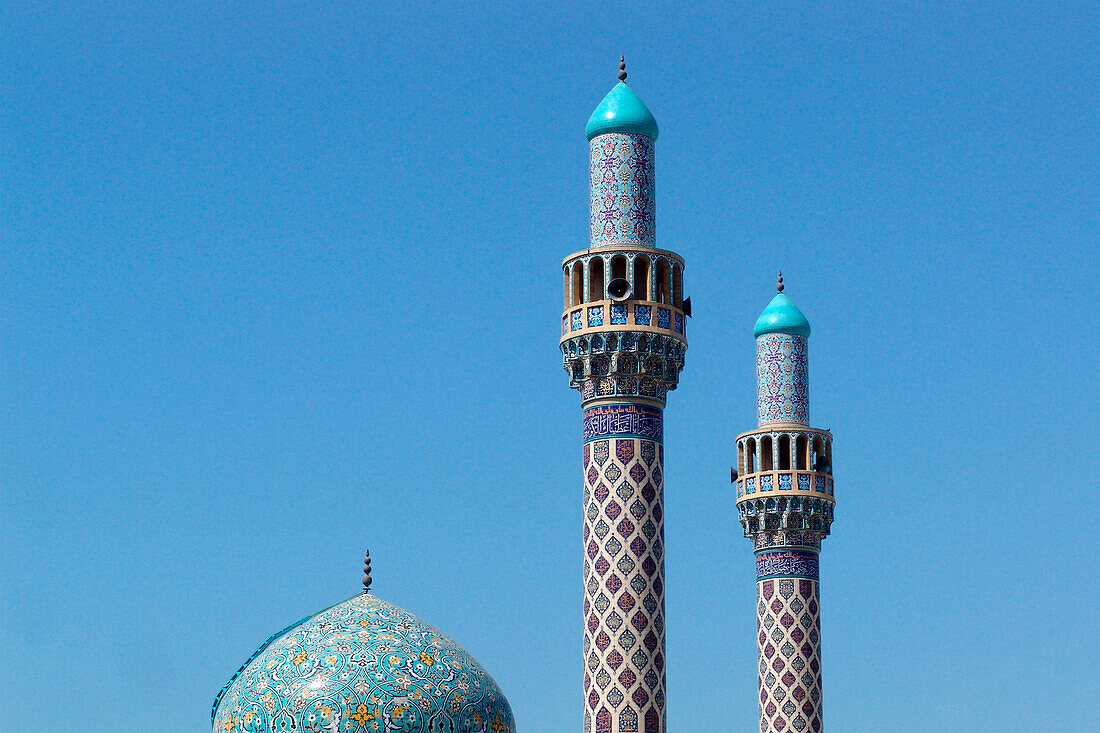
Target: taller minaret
{"type": "Point", "coordinates": [623, 346]}
{"type": "Point", "coordinates": [785, 504]}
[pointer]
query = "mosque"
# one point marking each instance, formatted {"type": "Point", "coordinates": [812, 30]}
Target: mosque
{"type": "Point", "coordinates": [367, 666]}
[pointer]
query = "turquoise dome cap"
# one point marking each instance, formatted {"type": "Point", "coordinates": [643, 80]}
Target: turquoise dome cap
{"type": "Point", "coordinates": [621, 111]}
{"type": "Point", "coordinates": [781, 316]}
{"type": "Point", "coordinates": [362, 666]}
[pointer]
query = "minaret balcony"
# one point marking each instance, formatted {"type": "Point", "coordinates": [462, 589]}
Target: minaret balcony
{"type": "Point", "coordinates": [784, 483]}
{"type": "Point", "coordinates": [634, 315]}
{"type": "Point", "coordinates": [784, 460]}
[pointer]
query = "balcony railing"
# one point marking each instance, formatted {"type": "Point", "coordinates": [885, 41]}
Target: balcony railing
{"type": "Point", "coordinates": [607, 315]}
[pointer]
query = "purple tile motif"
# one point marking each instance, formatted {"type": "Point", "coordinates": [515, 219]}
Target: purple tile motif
{"type": "Point", "coordinates": [781, 377]}
{"type": "Point", "coordinates": [679, 323]}
{"type": "Point", "coordinates": [623, 206]}
{"type": "Point", "coordinates": [663, 318]}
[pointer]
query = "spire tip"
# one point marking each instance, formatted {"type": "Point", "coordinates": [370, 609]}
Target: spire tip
{"type": "Point", "coordinates": [622, 67]}
{"type": "Point", "coordinates": [366, 573]}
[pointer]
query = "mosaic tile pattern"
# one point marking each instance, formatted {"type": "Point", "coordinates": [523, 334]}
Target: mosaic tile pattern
{"type": "Point", "coordinates": [788, 637]}
{"type": "Point", "coordinates": [623, 205]}
{"type": "Point", "coordinates": [623, 364]}
{"type": "Point", "coordinates": [782, 379]}
{"type": "Point", "coordinates": [624, 632]}
{"type": "Point", "coordinates": [362, 666]}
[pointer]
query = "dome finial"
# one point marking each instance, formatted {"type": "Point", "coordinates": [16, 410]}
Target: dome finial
{"type": "Point", "coordinates": [779, 285]}
{"type": "Point", "coordinates": [366, 573]}
{"type": "Point", "coordinates": [622, 67]}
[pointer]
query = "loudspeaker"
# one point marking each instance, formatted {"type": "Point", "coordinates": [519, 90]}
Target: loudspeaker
{"type": "Point", "coordinates": [619, 289]}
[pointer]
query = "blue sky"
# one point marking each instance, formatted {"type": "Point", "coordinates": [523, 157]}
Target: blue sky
{"type": "Point", "coordinates": [281, 283]}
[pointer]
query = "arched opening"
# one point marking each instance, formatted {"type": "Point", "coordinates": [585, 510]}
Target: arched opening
{"type": "Point", "coordinates": [677, 287]}
{"type": "Point", "coordinates": [618, 267]}
{"type": "Point", "coordinates": [641, 277]}
{"type": "Point", "coordinates": [740, 459]}
{"type": "Point", "coordinates": [568, 291]}
{"type": "Point", "coordinates": [801, 450]}
{"type": "Point", "coordinates": [784, 453]}
{"type": "Point", "coordinates": [662, 281]}
{"type": "Point", "coordinates": [578, 283]}
{"type": "Point", "coordinates": [750, 455]}
{"type": "Point", "coordinates": [766, 457]}
{"type": "Point", "coordinates": [595, 279]}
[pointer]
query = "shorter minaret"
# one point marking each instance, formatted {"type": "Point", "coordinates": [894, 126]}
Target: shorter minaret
{"type": "Point", "coordinates": [785, 504]}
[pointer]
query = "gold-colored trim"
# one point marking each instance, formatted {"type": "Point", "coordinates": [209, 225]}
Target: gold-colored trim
{"type": "Point", "coordinates": [778, 428]}
{"type": "Point", "coordinates": [619, 250]}
{"type": "Point", "coordinates": [770, 494]}
{"type": "Point", "coordinates": [620, 399]}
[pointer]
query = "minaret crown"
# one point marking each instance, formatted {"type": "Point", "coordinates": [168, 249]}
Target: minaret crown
{"type": "Point", "coordinates": [622, 111]}
{"type": "Point", "coordinates": [781, 316]}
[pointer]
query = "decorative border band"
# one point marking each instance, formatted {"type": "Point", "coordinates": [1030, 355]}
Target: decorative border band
{"type": "Point", "coordinates": [624, 421]}
{"type": "Point", "coordinates": [787, 564]}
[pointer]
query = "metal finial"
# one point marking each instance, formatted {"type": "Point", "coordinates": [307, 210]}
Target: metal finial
{"type": "Point", "coordinates": [779, 285]}
{"type": "Point", "coordinates": [622, 68]}
{"type": "Point", "coordinates": [366, 573]}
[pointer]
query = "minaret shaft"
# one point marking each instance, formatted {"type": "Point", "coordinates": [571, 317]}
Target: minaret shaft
{"type": "Point", "coordinates": [624, 632]}
{"type": "Point", "coordinates": [788, 639]}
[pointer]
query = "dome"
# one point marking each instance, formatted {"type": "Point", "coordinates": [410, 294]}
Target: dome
{"type": "Point", "coordinates": [621, 111]}
{"type": "Point", "coordinates": [781, 316]}
{"type": "Point", "coordinates": [366, 666]}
